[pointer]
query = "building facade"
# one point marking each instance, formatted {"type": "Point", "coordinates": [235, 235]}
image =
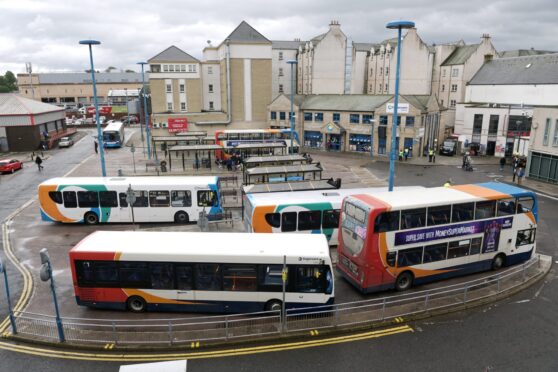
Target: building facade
{"type": "Point", "coordinates": [282, 52]}
{"type": "Point", "coordinates": [75, 89]}
{"type": "Point", "coordinates": [542, 162]}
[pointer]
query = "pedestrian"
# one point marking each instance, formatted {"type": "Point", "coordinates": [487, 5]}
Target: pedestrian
{"type": "Point", "coordinates": [400, 155]}
{"type": "Point", "coordinates": [39, 162]}
{"type": "Point", "coordinates": [448, 183]}
{"type": "Point", "coordinates": [96, 147]}
{"type": "Point", "coordinates": [406, 153]}
{"type": "Point", "coordinates": [430, 155]}
{"type": "Point", "coordinates": [464, 162]}
{"type": "Point", "coordinates": [433, 155]}
{"type": "Point", "coordinates": [520, 174]}
{"type": "Point", "coordinates": [514, 174]}
{"type": "Point", "coordinates": [502, 163]}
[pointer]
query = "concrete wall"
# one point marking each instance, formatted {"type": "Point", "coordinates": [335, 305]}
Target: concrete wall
{"type": "Point", "coordinates": [544, 95]}
{"type": "Point", "coordinates": [540, 117]}
{"type": "Point", "coordinates": [359, 75]}
{"type": "Point", "coordinates": [213, 78]}
{"type": "Point", "coordinates": [285, 79]}
{"type": "Point", "coordinates": [328, 70]}
{"type": "Point", "coordinates": [261, 88]}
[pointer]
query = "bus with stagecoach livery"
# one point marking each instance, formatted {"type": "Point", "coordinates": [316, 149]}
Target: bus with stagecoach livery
{"type": "Point", "coordinates": [201, 272]}
{"type": "Point", "coordinates": [93, 200]}
{"type": "Point", "coordinates": [305, 212]}
{"type": "Point", "coordinates": [401, 238]}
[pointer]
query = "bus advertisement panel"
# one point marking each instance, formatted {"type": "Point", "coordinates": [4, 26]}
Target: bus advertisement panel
{"type": "Point", "coordinates": [142, 271]}
{"type": "Point", "coordinates": [394, 240]}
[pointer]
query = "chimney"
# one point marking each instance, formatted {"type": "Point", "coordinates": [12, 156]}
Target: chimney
{"type": "Point", "coordinates": [334, 25]}
{"type": "Point", "coordinates": [485, 38]}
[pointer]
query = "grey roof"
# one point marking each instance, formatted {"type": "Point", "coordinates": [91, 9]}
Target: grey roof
{"type": "Point", "coordinates": [274, 159]}
{"type": "Point", "coordinates": [289, 186]}
{"type": "Point", "coordinates": [316, 39]}
{"type": "Point", "coordinates": [284, 169]}
{"type": "Point", "coordinates": [364, 47]}
{"type": "Point", "coordinates": [523, 53]}
{"type": "Point", "coordinates": [85, 78]}
{"type": "Point", "coordinates": [173, 54]}
{"type": "Point", "coordinates": [538, 69]}
{"type": "Point", "coordinates": [460, 55]}
{"type": "Point", "coordinates": [344, 102]}
{"type": "Point", "coordinates": [286, 44]}
{"type": "Point", "coordinates": [418, 101]}
{"type": "Point", "coordinates": [14, 104]}
{"type": "Point", "coordinates": [246, 33]}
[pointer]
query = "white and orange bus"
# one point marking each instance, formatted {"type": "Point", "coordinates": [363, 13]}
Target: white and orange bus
{"type": "Point", "coordinates": [201, 272]}
{"type": "Point", "coordinates": [400, 238]}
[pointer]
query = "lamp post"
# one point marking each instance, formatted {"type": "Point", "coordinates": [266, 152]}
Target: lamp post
{"type": "Point", "coordinates": [147, 131]}
{"type": "Point", "coordinates": [292, 62]}
{"type": "Point", "coordinates": [90, 43]}
{"type": "Point", "coordinates": [12, 319]}
{"type": "Point", "coordinates": [398, 25]}
{"type": "Point", "coordinates": [46, 275]}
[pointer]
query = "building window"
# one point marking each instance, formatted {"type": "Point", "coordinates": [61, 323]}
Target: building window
{"type": "Point", "coordinates": [209, 70]}
{"type": "Point", "coordinates": [410, 121]}
{"type": "Point", "coordinates": [367, 119]}
{"type": "Point", "coordinates": [273, 115]}
{"type": "Point", "coordinates": [171, 68]}
{"type": "Point", "coordinates": [380, 88]}
{"type": "Point", "coordinates": [381, 146]}
{"type": "Point", "coordinates": [169, 106]}
{"type": "Point", "coordinates": [280, 71]}
{"type": "Point", "coordinates": [319, 117]}
{"type": "Point", "coordinates": [454, 87]}
{"type": "Point", "coordinates": [165, 68]}
{"type": "Point", "coordinates": [555, 137]}
{"type": "Point", "coordinates": [280, 88]}
{"type": "Point", "coordinates": [477, 124]}
{"type": "Point", "coordinates": [443, 87]}
{"type": "Point", "coordinates": [381, 70]}
{"type": "Point", "coordinates": [169, 88]}
{"type": "Point", "coordinates": [371, 71]}
{"type": "Point", "coordinates": [454, 72]}
{"type": "Point", "coordinates": [546, 132]}
{"type": "Point", "coordinates": [443, 72]}
{"type": "Point", "coordinates": [442, 102]}
{"type": "Point", "coordinates": [452, 103]}
{"type": "Point", "coordinates": [493, 124]}
{"type": "Point", "coordinates": [307, 116]}
{"type": "Point", "coordinates": [387, 71]}
{"type": "Point", "coordinates": [383, 120]}
{"type": "Point", "coordinates": [282, 115]}
{"type": "Point", "coordinates": [182, 68]}
{"type": "Point", "coordinates": [354, 118]}
{"type": "Point", "coordinates": [182, 106]}
{"type": "Point", "coordinates": [280, 56]}
{"type": "Point", "coordinates": [211, 107]}
{"type": "Point", "coordinates": [386, 88]}
{"type": "Point", "coordinates": [337, 118]}
{"type": "Point", "coordinates": [210, 88]}
{"type": "Point", "coordinates": [177, 68]}
{"type": "Point", "coordinates": [181, 88]}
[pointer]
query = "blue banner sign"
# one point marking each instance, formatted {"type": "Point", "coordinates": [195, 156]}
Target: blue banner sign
{"type": "Point", "coordinates": [434, 233]}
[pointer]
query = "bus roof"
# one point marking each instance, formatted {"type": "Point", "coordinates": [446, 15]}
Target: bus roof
{"type": "Point", "coordinates": [399, 199]}
{"type": "Point", "coordinates": [125, 181]}
{"type": "Point", "coordinates": [114, 126]}
{"type": "Point", "coordinates": [315, 196]}
{"type": "Point", "coordinates": [249, 131]}
{"type": "Point", "coordinates": [202, 246]}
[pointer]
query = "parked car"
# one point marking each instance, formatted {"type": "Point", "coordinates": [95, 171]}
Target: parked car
{"type": "Point", "coordinates": [449, 147]}
{"type": "Point", "coordinates": [65, 142]}
{"type": "Point", "coordinates": [10, 165]}
{"type": "Point", "coordinates": [129, 119]}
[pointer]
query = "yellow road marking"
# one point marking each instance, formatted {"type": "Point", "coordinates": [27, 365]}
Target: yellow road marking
{"type": "Point", "coordinates": [38, 351]}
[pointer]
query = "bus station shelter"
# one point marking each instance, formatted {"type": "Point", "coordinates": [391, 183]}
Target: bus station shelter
{"type": "Point", "coordinates": [186, 138]}
{"type": "Point", "coordinates": [329, 184]}
{"type": "Point", "coordinates": [259, 149]}
{"type": "Point", "coordinates": [182, 152]}
{"type": "Point", "coordinates": [283, 173]}
{"type": "Point", "coordinates": [258, 161]}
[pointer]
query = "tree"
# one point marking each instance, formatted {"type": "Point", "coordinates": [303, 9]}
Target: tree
{"type": "Point", "coordinates": [89, 71]}
{"type": "Point", "coordinates": [129, 71]}
{"type": "Point", "coordinates": [8, 82]}
{"type": "Point", "coordinates": [110, 68]}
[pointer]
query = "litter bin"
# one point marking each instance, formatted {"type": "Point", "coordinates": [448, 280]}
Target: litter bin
{"type": "Point", "coordinates": [163, 166]}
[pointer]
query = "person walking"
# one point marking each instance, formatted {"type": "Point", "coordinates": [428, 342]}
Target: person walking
{"type": "Point", "coordinates": [96, 147]}
{"type": "Point", "coordinates": [448, 183]}
{"type": "Point", "coordinates": [520, 174]}
{"type": "Point", "coordinates": [502, 163]}
{"type": "Point", "coordinates": [400, 155]}
{"type": "Point", "coordinates": [39, 162]}
{"type": "Point", "coordinates": [464, 162]}
{"type": "Point", "coordinates": [406, 153]}
{"type": "Point", "coordinates": [430, 155]}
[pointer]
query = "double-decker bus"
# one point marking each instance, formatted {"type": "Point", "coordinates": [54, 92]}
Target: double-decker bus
{"type": "Point", "coordinates": [231, 138]}
{"type": "Point", "coordinates": [113, 134]}
{"type": "Point", "coordinates": [206, 272]}
{"type": "Point", "coordinates": [92, 200]}
{"type": "Point", "coordinates": [309, 212]}
{"type": "Point", "coordinates": [400, 238]}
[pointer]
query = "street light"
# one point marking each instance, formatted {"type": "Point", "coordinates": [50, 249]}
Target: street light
{"type": "Point", "coordinates": [99, 132]}
{"type": "Point", "coordinates": [147, 131]}
{"type": "Point", "coordinates": [398, 25]}
{"type": "Point", "coordinates": [292, 62]}
{"type": "Point", "coordinates": [46, 275]}
{"type": "Point", "coordinates": [12, 319]}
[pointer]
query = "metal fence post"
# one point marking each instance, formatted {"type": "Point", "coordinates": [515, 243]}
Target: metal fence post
{"type": "Point", "coordinates": [170, 333]}
{"type": "Point", "coordinates": [426, 301]}
{"type": "Point", "coordinates": [226, 327]}
{"type": "Point", "coordinates": [384, 309]}
{"type": "Point", "coordinates": [524, 267]}
{"type": "Point", "coordinates": [114, 335]}
{"type": "Point", "coordinates": [336, 316]}
{"type": "Point", "coordinates": [498, 284]}
{"type": "Point", "coordinates": [465, 295]}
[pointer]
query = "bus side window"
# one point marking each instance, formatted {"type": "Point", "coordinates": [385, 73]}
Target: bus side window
{"type": "Point", "coordinates": [162, 275]}
{"type": "Point", "coordinates": [239, 278]}
{"type": "Point", "coordinates": [55, 196]}
{"type": "Point", "coordinates": [525, 237]}
{"type": "Point", "coordinates": [309, 220]}
{"type": "Point", "coordinates": [184, 277]}
{"type": "Point", "coordinates": [439, 215]}
{"type": "Point", "coordinates": [463, 212]}
{"type": "Point", "coordinates": [330, 219]}
{"type": "Point", "coordinates": [387, 221]}
{"type": "Point", "coordinates": [88, 199]}
{"type": "Point", "coordinates": [409, 257]}
{"type": "Point", "coordinates": [208, 277]}
{"type": "Point", "coordinates": [288, 221]}
{"type": "Point", "coordinates": [273, 219]}
{"type": "Point", "coordinates": [390, 258]}
{"type": "Point", "coordinates": [476, 244]}
{"type": "Point", "coordinates": [506, 207]}
{"type": "Point", "coordinates": [459, 248]}
{"type": "Point", "coordinates": [525, 204]}
{"type": "Point", "coordinates": [122, 198]}
{"type": "Point", "coordinates": [412, 218]}
{"type": "Point", "coordinates": [485, 209]}
{"type": "Point", "coordinates": [309, 279]}
{"type": "Point", "coordinates": [181, 198]}
{"type": "Point", "coordinates": [270, 278]}
{"type": "Point", "coordinates": [159, 198]}
{"type": "Point", "coordinates": [108, 199]}
{"type": "Point", "coordinates": [435, 252]}
{"type": "Point", "coordinates": [141, 199]}
{"type": "Point", "coordinates": [70, 199]}
{"type": "Point", "coordinates": [206, 198]}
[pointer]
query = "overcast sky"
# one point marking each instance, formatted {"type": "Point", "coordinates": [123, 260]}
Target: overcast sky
{"type": "Point", "coordinates": [47, 32]}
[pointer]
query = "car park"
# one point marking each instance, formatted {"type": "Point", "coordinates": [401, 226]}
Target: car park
{"type": "Point", "coordinates": [10, 165]}
{"type": "Point", "coordinates": [65, 142]}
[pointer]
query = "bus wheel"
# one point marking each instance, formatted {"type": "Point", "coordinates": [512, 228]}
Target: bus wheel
{"type": "Point", "coordinates": [498, 262]}
{"type": "Point", "coordinates": [273, 305]}
{"type": "Point", "coordinates": [91, 218]}
{"type": "Point", "coordinates": [181, 217]}
{"type": "Point", "coordinates": [404, 281]}
{"type": "Point", "coordinates": [136, 304]}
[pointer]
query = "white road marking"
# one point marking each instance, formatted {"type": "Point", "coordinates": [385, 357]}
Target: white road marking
{"type": "Point", "coordinates": [547, 196]}
{"type": "Point", "coordinates": [522, 301]}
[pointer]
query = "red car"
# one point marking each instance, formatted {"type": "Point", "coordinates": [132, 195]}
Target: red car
{"type": "Point", "coordinates": [10, 165]}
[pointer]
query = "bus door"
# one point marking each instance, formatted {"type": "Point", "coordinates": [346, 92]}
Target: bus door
{"type": "Point", "coordinates": [184, 282]}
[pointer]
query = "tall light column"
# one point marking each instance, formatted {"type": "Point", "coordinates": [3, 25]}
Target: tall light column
{"type": "Point", "coordinates": [399, 25]}
{"type": "Point", "coordinates": [292, 62]}
{"type": "Point", "coordinates": [99, 131]}
{"type": "Point", "coordinates": [147, 130]}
